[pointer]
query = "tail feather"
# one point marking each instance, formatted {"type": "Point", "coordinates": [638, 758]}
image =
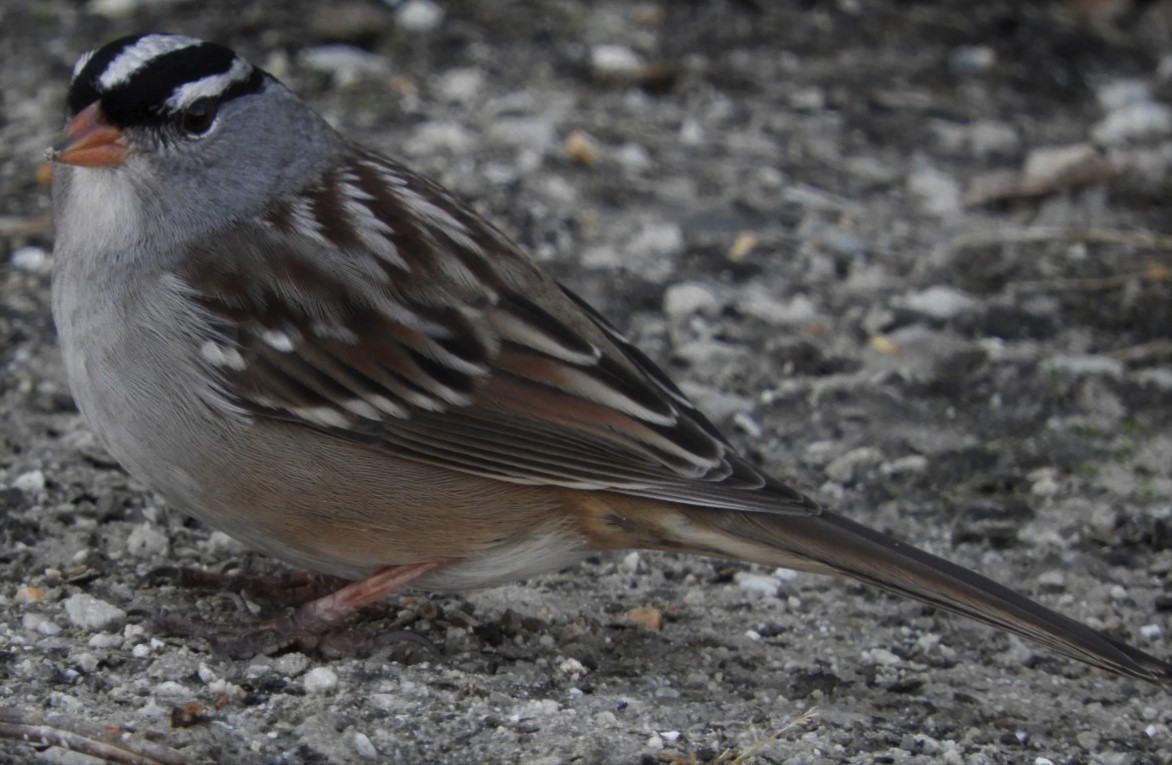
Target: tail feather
{"type": "Point", "coordinates": [828, 543]}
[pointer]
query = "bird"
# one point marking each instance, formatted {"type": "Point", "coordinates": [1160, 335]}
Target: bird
{"type": "Point", "coordinates": [307, 345]}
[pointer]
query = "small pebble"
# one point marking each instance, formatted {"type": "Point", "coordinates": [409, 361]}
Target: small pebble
{"type": "Point", "coordinates": [320, 680]}
{"type": "Point", "coordinates": [32, 482]}
{"type": "Point", "coordinates": [363, 746]}
{"type": "Point", "coordinates": [419, 15]}
{"type": "Point", "coordinates": [1134, 122]}
{"type": "Point", "coordinates": [764, 584]}
{"type": "Point", "coordinates": [146, 541]}
{"type": "Point", "coordinates": [940, 302]}
{"type": "Point", "coordinates": [615, 61]}
{"type": "Point", "coordinates": [572, 668]}
{"type": "Point", "coordinates": [881, 656]}
{"type": "Point", "coordinates": [936, 192]}
{"type": "Point", "coordinates": [32, 259]}
{"type": "Point", "coordinates": [687, 298]}
{"type": "Point", "coordinates": [88, 612]}
{"type": "Point", "coordinates": [291, 664]}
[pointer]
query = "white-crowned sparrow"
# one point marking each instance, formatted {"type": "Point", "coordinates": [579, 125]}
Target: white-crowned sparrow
{"type": "Point", "coordinates": [329, 357]}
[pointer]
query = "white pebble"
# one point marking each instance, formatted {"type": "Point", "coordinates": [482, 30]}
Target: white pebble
{"type": "Point", "coordinates": [1120, 93]}
{"type": "Point", "coordinates": [936, 192]}
{"type": "Point", "coordinates": [629, 563]}
{"type": "Point", "coordinates": [1077, 365]}
{"type": "Point", "coordinates": [657, 240]}
{"type": "Point", "coordinates": [572, 668]}
{"type": "Point", "coordinates": [881, 656]}
{"type": "Point", "coordinates": [615, 61]}
{"type": "Point", "coordinates": [32, 482]}
{"type": "Point", "coordinates": [32, 259]}
{"type": "Point", "coordinates": [145, 541]}
{"type": "Point", "coordinates": [1134, 122]}
{"type": "Point", "coordinates": [320, 680]}
{"type": "Point", "coordinates": [760, 583]}
{"type": "Point", "coordinates": [104, 640]}
{"type": "Point", "coordinates": [88, 612]}
{"type": "Point", "coordinates": [461, 85]}
{"type": "Point", "coordinates": [169, 689]}
{"type": "Point", "coordinates": [940, 302]}
{"type": "Point", "coordinates": [345, 62]}
{"type": "Point", "coordinates": [40, 624]}
{"type": "Point", "coordinates": [1150, 631]}
{"type": "Point", "coordinates": [687, 298]}
{"type": "Point", "coordinates": [363, 746]}
{"type": "Point", "coordinates": [419, 15]}
{"type": "Point", "coordinates": [291, 664]}
{"type": "Point", "coordinates": [669, 735]}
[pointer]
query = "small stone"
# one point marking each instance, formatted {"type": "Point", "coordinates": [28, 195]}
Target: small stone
{"type": "Point", "coordinates": [419, 15]}
{"type": "Point", "coordinates": [973, 59]}
{"type": "Point", "coordinates": [763, 584]}
{"type": "Point", "coordinates": [912, 463]}
{"type": "Point", "coordinates": [32, 482]}
{"type": "Point", "coordinates": [438, 137]}
{"type": "Point", "coordinates": [363, 746]}
{"type": "Point", "coordinates": [1117, 94]}
{"type": "Point", "coordinates": [169, 689]}
{"type": "Point", "coordinates": [320, 680]}
{"type": "Point", "coordinates": [572, 668]}
{"type": "Point", "coordinates": [936, 192]}
{"type": "Point", "coordinates": [534, 133]}
{"type": "Point", "coordinates": [629, 563]}
{"type": "Point", "coordinates": [854, 465]}
{"type": "Point", "coordinates": [87, 612]}
{"type": "Point", "coordinates": [632, 157]}
{"type": "Point", "coordinates": [104, 641]}
{"type": "Point", "coordinates": [345, 63]}
{"type": "Point", "coordinates": [647, 617]}
{"type": "Point", "coordinates": [291, 664]}
{"type": "Point", "coordinates": [581, 147]}
{"type": "Point", "coordinates": [146, 541]}
{"type": "Point", "coordinates": [881, 656]}
{"type": "Point", "coordinates": [32, 259]}
{"type": "Point", "coordinates": [657, 240]}
{"type": "Point", "coordinates": [1085, 366]}
{"type": "Point", "coordinates": [40, 624]}
{"type": "Point", "coordinates": [615, 61]}
{"type": "Point", "coordinates": [687, 298]}
{"type": "Point", "coordinates": [26, 595]}
{"type": "Point", "coordinates": [461, 85]}
{"type": "Point", "coordinates": [1151, 631]}
{"type": "Point", "coordinates": [1145, 120]}
{"type": "Point", "coordinates": [940, 302]}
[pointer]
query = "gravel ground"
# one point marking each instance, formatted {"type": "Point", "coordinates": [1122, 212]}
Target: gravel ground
{"type": "Point", "coordinates": [915, 257]}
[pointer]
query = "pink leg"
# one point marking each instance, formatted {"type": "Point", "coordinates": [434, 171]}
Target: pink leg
{"type": "Point", "coordinates": [309, 624]}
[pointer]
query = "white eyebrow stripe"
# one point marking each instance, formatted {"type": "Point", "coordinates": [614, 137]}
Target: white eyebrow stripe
{"type": "Point", "coordinates": [127, 63]}
{"type": "Point", "coordinates": [212, 85]}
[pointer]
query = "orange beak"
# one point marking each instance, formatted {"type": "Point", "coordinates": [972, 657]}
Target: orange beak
{"type": "Point", "coordinates": [90, 141]}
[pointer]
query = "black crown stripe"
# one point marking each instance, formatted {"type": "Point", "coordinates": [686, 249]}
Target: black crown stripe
{"type": "Point", "coordinates": [142, 97]}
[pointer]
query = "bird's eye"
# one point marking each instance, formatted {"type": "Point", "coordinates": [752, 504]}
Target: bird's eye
{"type": "Point", "coordinates": [197, 119]}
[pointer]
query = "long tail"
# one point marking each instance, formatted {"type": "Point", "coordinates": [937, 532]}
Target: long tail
{"type": "Point", "coordinates": [828, 543]}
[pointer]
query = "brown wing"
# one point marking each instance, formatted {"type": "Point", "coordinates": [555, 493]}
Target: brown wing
{"type": "Point", "coordinates": [429, 333]}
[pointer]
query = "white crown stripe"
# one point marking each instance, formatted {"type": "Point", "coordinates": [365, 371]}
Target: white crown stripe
{"type": "Point", "coordinates": [212, 85]}
{"type": "Point", "coordinates": [81, 62]}
{"type": "Point", "coordinates": [130, 61]}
